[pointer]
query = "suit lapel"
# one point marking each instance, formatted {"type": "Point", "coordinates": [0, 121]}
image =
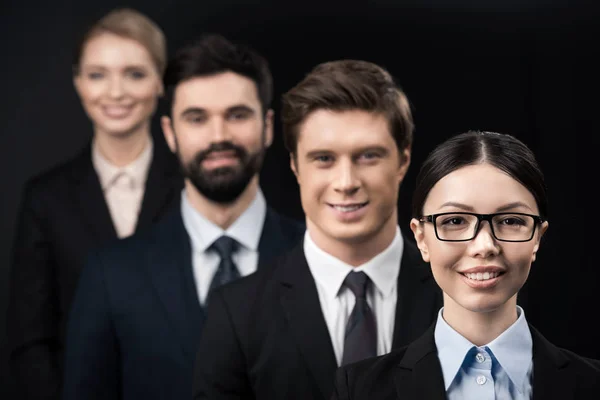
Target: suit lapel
{"type": "Point", "coordinates": [272, 239]}
{"type": "Point", "coordinates": [161, 186]}
{"type": "Point", "coordinates": [419, 374]}
{"type": "Point", "coordinates": [89, 198]}
{"type": "Point", "coordinates": [415, 303]}
{"type": "Point", "coordinates": [551, 377]}
{"type": "Point", "coordinates": [300, 302]}
{"type": "Point", "coordinates": [169, 263]}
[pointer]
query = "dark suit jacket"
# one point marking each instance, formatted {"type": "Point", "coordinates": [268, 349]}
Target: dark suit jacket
{"type": "Point", "coordinates": [414, 373]}
{"type": "Point", "coordinates": [266, 337]}
{"type": "Point", "coordinates": [136, 320]}
{"type": "Point", "coordinates": [63, 215]}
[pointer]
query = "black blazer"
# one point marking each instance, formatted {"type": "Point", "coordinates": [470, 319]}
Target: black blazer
{"type": "Point", "coordinates": [63, 215]}
{"type": "Point", "coordinates": [266, 337]}
{"type": "Point", "coordinates": [414, 373]}
{"type": "Point", "coordinates": [134, 327]}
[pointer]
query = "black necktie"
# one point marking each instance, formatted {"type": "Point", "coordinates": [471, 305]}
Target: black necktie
{"type": "Point", "coordinates": [361, 331]}
{"type": "Point", "coordinates": [227, 271]}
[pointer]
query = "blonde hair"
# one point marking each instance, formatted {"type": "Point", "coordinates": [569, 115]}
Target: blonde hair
{"type": "Point", "coordinates": [129, 24]}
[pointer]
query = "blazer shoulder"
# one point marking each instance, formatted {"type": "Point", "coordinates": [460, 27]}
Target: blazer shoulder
{"type": "Point", "coordinates": [584, 365]}
{"type": "Point", "coordinates": [52, 179]}
{"type": "Point", "coordinates": [119, 253]}
{"type": "Point", "coordinates": [258, 287]}
{"type": "Point", "coordinates": [292, 228]}
{"type": "Point", "coordinates": [255, 282]}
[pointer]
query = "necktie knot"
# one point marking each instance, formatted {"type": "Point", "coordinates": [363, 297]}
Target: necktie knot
{"type": "Point", "coordinates": [357, 282]}
{"type": "Point", "coordinates": [224, 246]}
{"type": "Point", "coordinates": [227, 270]}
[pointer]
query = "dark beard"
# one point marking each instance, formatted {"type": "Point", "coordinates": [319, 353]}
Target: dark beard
{"type": "Point", "coordinates": [223, 185]}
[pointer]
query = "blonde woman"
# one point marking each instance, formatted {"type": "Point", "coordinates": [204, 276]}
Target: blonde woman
{"type": "Point", "coordinates": [120, 183]}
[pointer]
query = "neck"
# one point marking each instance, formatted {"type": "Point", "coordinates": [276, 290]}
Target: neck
{"type": "Point", "coordinates": [355, 251]}
{"type": "Point", "coordinates": [121, 150]}
{"type": "Point", "coordinates": [222, 215]}
{"type": "Point", "coordinates": [480, 328]}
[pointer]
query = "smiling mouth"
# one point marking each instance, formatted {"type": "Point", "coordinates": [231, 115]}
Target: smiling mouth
{"type": "Point", "coordinates": [483, 276]}
{"type": "Point", "coordinates": [117, 111]}
{"type": "Point", "coordinates": [349, 207]}
{"type": "Point", "coordinates": [218, 155]}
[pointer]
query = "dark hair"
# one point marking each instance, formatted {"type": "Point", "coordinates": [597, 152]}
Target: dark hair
{"type": "Point", "coordinates": [347, 85]}
{"type": "Point", "coordinates": [129, 24]}
{"type": "Point", "coordinates": [213, 54]}
{"type": "Point", "coordinates": [503, 151]}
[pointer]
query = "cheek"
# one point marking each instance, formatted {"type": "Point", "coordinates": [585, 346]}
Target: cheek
{"type": "Point", "coordinates": [90, 93]}
{"type": "Point", "coordinates": [189, 140]}
{"type": "Point", "coordinates": [312, 190]}
{"type": "Point", "coordinates": [248, 134]}
{"type": "Point", "coordinates": [383, 186]}
{"type": "Point", "coordinates": [443, 258]}
{"type": "Point", "coordinates": [147, 93]}
{"type": "Point", "coordinates": [313, 186]}
{"type": "Point", "coordinates": [520, 260]}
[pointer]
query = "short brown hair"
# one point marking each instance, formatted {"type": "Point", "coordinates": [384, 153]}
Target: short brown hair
{"type": "Point", "coordinates": [347, 85]}
{"type": "Point", "coordinates": [129, 24]}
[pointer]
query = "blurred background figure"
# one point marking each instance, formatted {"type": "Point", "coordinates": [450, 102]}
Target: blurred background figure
{"type": "Point", "coordinates": [121, 182]}
{"type": "Point", "coordinates": [139, 308]}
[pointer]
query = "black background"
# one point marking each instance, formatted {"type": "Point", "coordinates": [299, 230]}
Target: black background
{"type": "Point", "coordinates": [522, 67]}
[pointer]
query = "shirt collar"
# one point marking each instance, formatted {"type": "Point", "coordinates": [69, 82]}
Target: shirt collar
{"type": "Point", "coordinates": [452, 348]}
{"type": "Point", "coordinates": [330, 272]}
{"type": "Point", "coordinates": [246, 229]}
{"type": "Point", "coordinates": [513, 349]}
{"type": "Point", "coordinates": [137, 170]}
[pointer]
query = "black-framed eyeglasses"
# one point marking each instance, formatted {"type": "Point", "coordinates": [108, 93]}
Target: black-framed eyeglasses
{"type": "Point", "coordinates": [463, 226]}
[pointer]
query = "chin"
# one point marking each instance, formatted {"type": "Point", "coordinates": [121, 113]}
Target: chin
{"type": "Point", "coordinates": [484, 304]}
{"type": "Point", "coordinates": [122, 129]}
{"type": "Point", "coordinates": [353, 234]}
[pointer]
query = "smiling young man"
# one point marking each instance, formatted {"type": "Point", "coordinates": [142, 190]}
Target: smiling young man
{"type": "Point", "coordinates": [140, 304]}
{"type": "Point", "coordinates": [355, 287]}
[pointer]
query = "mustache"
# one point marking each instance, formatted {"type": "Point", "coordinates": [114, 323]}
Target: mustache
{"type": "Point", "coordinates": [240, 152]}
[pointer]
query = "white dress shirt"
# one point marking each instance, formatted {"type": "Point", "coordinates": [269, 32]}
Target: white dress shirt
{"type": "Point", "coordinates": [246, 230]}
{"type": "Point", "coordinates": [337, 301]}
{"type": "Point", "coordinates": [123, 187]}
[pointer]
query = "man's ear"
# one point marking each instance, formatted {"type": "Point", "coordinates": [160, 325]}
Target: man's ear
{"type": "Point", "coordinates": [161, 89]}
{"type": "Point", "coordinates": [417, 228]}
{"type": "Point", "coordinates": [294, 166]}
{"type": "Point", "coordinates": [269, 116]}
{"type": "Point", "coordinates": [167, 128]}
{"type": "Point", "coordinates": [404, 164]}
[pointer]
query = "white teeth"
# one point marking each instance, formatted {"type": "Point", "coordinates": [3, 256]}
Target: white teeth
{"type": "Point", "coordinates": [347, 208]}
{"type": "Point", "coordinates": [482, 276]}
{"type": "Point", "coordinates": [116, 111]}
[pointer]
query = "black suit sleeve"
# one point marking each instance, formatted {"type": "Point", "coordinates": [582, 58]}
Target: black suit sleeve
{"type": "Point", "coordinates": [220, 369]}
{"type": "Point", "coordinates": [33, 316]}
{"type": "Point", "coordinates": [341, 390]}
{"type": "Point", "coordinates": [92, 368]}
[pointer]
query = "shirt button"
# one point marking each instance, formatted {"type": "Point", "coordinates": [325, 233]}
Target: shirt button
{"type": "Point", "coordinates": [480, 358]}
{"type": "Point", "coordinates": [481, 380]}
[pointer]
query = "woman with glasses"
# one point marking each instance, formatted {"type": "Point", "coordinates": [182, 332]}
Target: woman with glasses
{"type": "Point", "coordinates": [479, 212]}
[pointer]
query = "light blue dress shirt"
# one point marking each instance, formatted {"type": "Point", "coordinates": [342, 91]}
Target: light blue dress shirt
{"type": "Point", "coordinates": [500, 370]}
